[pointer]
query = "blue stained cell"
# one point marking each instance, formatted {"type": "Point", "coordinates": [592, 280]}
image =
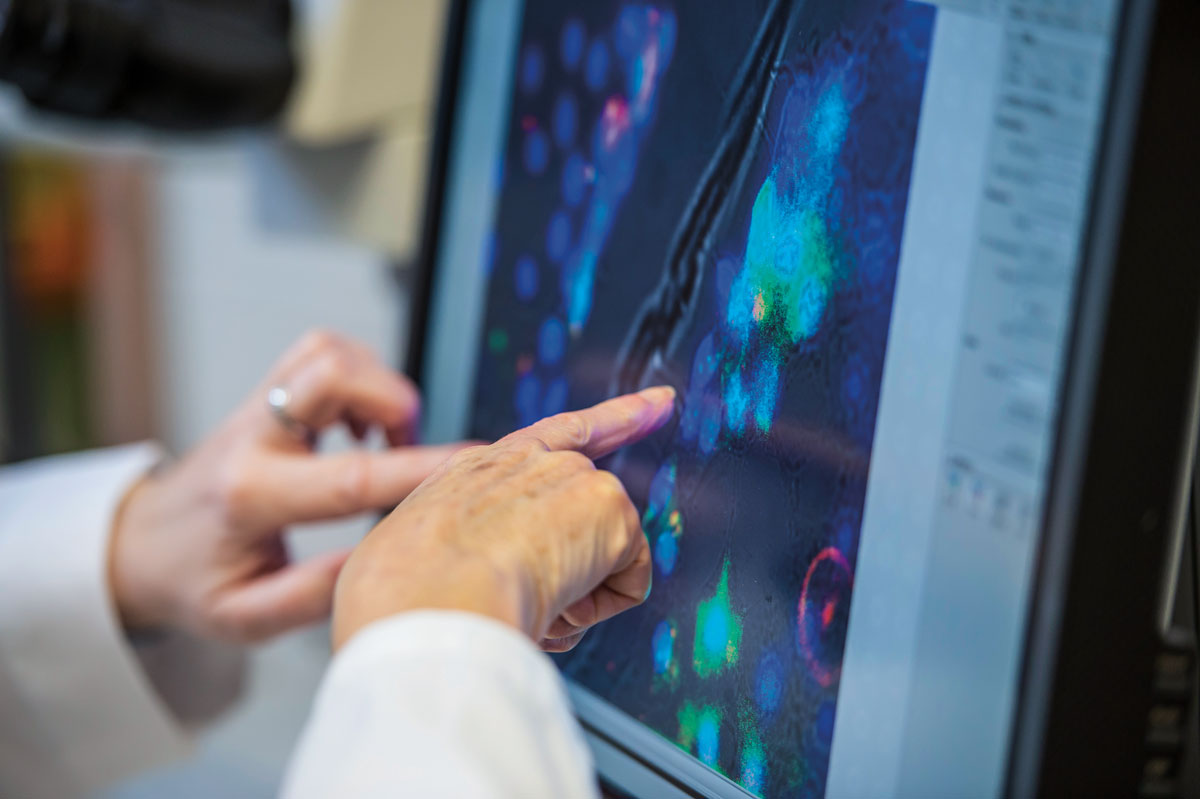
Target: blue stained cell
{"type": "Point", "coordinates": [595, 71]}
{"type": "Point", "coordinates": [662, 644]}
{"type": "Point", "coordinates": [565, 120]}
{"type": "Point", "coordinates": [574, 180]}
{"type": "Point", "coordinates": [737, 400]}
{"type": "Point", "coordinates": [533, 69]}
{"type": "Point", "coordinates": [615, 157]}
{"type": "Point", "coordinates": [766, 394]}
{"type": "Point", "coordinates": [571, 45]}
{"type": "Point", "coordinates": [536, 151]}
{"type": "Point", "coordinates": [666, 552]}
{"type": "Point", "coordinates": [630, 31]}
{"type": "Point", "coordinates": [552, 341]}
{"type": "Point", "coordinates": [813, 298]}
{"type": "Point", "coordinates": [555, 401]}
{"type": "Point", "coordinates": [714, 635]}
{"type": "Point", "coordinates": [558, 236]}
{"type": "Point", "coordinates": [662, 486]}
{"type": "Point", "coordinates": [525, 399]}
{"type": "Point", "coordinates": [581, 279]}
{"type": "Point", "coordinates": [753, 771]}
{"type": "Point", "coordinates": [637, 76]}
{"type": "Point", "coordinates": [704, 363]}
{"type": "Point", "coordinates": [689, 419]}
{"type": "Point", "coordinates": [526, 275]}
{"type": "Point", "coordinates": [708, 738]}
{"type": "Point", "coordinates": [710, 425]}
{"type": "Point", "coordinates": [828, 126]}
{"type": "Point", "coordinates": [769, 684]}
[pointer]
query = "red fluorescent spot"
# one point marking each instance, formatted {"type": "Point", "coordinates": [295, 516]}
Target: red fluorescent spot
{"type": "Point", "coordinates": [827, 612]}
{"type": "Point", "coordinates": [524, 364]}
{"type": "Point", "coordinates": [616, 110]}
{"type": "Point", "coordinates": [836, 581]}
{"type": "Point", "coordinates": [760, 307]}
{"type": "Point", "coordinates": [528, 123]}
{"type": "Point", "coordinates": [615, 120]}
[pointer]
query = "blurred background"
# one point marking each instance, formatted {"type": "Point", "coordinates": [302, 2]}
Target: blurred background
{"type": "Point", "coordinates": [148, 281]}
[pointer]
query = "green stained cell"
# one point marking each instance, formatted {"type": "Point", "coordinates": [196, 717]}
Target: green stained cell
{"type": "Point", "coordinates": [689, 724]}
{"type": "Point", "coordinates": [708, 737]}
{"type": "Point", "coordinates": [718, 631]}
{"type": "Point", "coordinates": [752, 768]}
{"type": "Point", "coordinates": [497, 340]}
{"type": "Point", "coordinates": [789, 271]}
{"type": "Point", "coordinates": [700, 732]}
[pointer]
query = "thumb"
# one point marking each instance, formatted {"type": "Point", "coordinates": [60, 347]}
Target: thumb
{"type": "Point", "coordinates": [295, 596]}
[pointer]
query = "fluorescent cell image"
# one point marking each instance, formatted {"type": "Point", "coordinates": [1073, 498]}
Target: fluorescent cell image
{"type": "Point", "coordinates": [536, 155]}
{"type": "Point", "coordinates": [712, 196]}
{"type": "Point", "coordinates": [574, 180]}
{"type": "Point", "coordinates": [596, 69]}
{"type": "Point", "coordinates": [526, 278]}
{"type": "Point", "coordinates": [566, 120]}
{"type": "Point", "coordinates": [663, 645]}
{"type": "Point", "coordinates": [557, 394]}
{"type": "Point", "coordinates": [574, 36]}
{"type": "Point", "coordinates": [533, 69]}
{"type": "Point", "coordinates": [718, 631]}
{"type": "Point", "coordinates": [558, 236]}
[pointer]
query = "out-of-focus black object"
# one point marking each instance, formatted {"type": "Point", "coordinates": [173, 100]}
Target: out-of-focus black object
{"type": "Point", "coordinates": [173, 64]}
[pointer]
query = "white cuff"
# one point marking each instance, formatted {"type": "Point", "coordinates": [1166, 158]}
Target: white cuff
{"type": "Point", "coordinates": [442, 703]}
{"type": "Point", "coordinates": [62, 650]}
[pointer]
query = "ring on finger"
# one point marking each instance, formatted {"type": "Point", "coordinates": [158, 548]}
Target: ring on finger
{"type": "Point", "coordinates": [278, 400]}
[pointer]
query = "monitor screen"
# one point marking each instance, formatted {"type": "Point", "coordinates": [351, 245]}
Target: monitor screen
{"type": "Point", "coordinates": [847, 233]}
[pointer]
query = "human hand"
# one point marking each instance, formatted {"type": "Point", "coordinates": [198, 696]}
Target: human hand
{"type": "Point", "coordinates": [199, 545]}
{"type": "Point", "coordinates": [526, 531]}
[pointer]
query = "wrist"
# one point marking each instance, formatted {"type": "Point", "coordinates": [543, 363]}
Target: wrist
{"type": "Point", "coordinates": [469, 584]}
{"type": "Point", "coordinates": [128, 579]}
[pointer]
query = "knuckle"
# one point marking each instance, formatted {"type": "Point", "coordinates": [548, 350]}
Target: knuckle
{"type": "Point", "coordinates": [468, 456]}
{"type": "Point", "coordinates": [524, 448]}
{"type": "Point", "coordinates": [332, 366]}
{"type": "Point", "coordinates": [236, 489]}
{"type": "Point", "coordinates": [320, 339]}
{"type": "Point", "coordinates": [574, 429]}
{"type": "Point", "coordinates": [608, 489]}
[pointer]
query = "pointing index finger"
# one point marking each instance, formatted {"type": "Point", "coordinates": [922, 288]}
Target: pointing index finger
{"type": "Point", "coordinates": [604, 428]}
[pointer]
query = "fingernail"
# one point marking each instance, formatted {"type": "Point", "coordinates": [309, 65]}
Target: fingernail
{"type": "Point", "coordinates": [658, 394]}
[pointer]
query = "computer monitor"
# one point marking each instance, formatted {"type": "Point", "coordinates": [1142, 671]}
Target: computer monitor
{"type": "Point", "coordinates": [926, 278]}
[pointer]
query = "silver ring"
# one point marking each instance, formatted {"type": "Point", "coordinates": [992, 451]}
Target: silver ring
{"type": "Point", "coordinates": [278, 399]}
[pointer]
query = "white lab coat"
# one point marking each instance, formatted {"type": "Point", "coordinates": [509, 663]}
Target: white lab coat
{"type": "Point", "coordinates": [422, 704]}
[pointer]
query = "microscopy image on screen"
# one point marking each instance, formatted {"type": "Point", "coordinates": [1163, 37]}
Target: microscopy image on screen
{"type": "Point", "coordinates": [711, 195]}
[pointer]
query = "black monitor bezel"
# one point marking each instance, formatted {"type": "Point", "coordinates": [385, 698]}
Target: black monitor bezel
{"type": "Point", "coordinates": [1124, 447]}
{"type": "Point", "coordinates": [1090, 721]}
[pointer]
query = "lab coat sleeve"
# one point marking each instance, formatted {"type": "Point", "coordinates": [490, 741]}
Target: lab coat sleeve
{"type": "Point", "coordinates": [80, 705]}
{"type": "Point", "coordinates": [441, 704]}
